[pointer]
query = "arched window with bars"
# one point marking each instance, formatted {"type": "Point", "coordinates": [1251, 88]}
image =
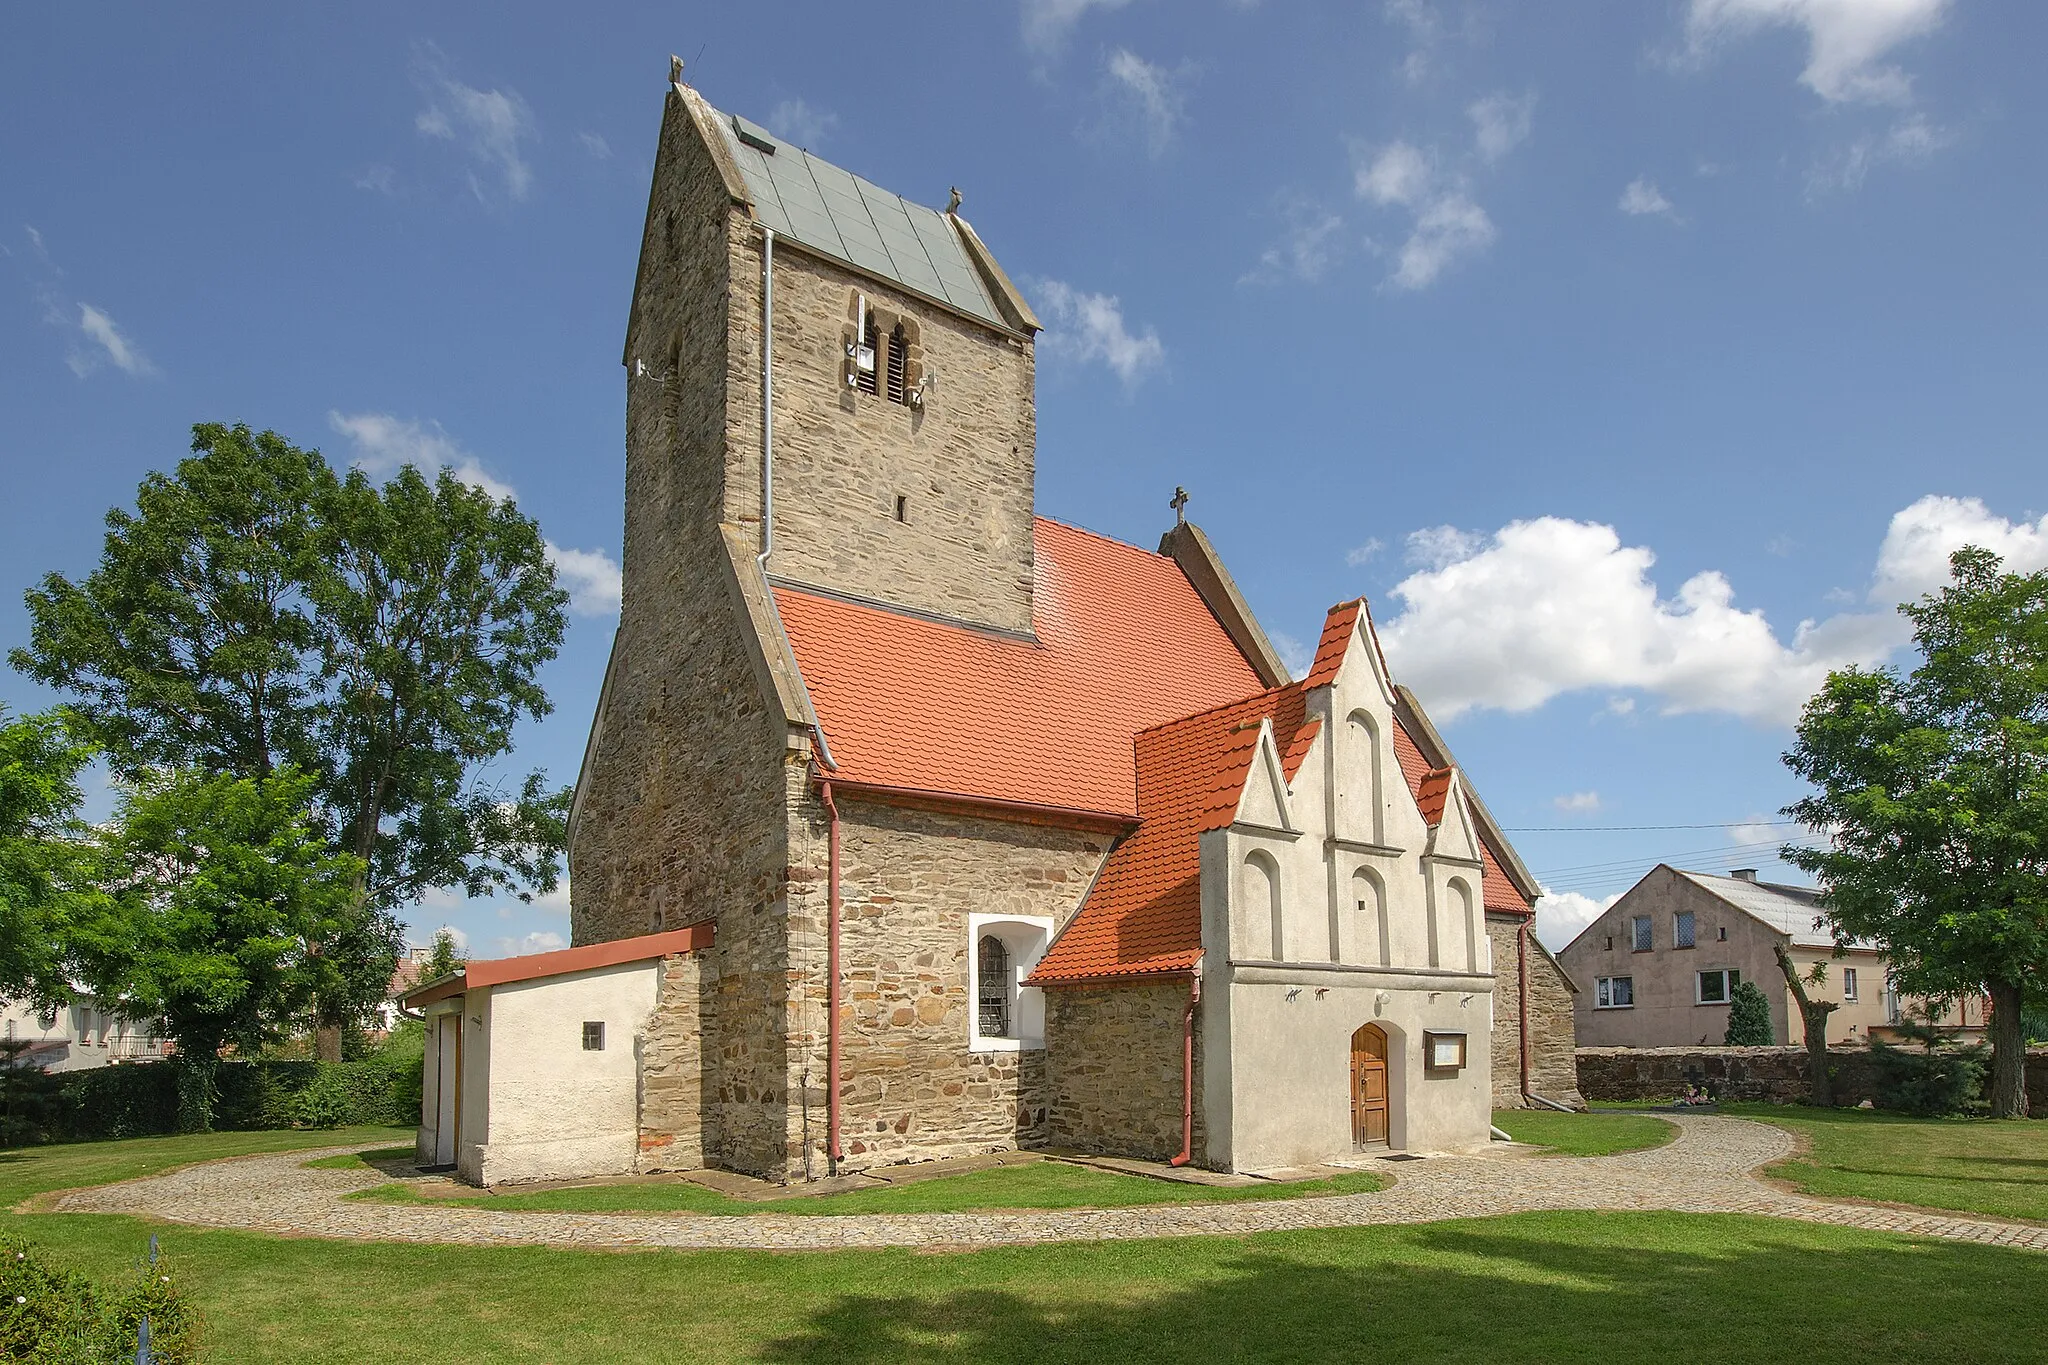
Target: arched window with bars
{"type": "Point", "coordinates": [993, 987]}
{"type": "Point", "coordinates": [898, 377]}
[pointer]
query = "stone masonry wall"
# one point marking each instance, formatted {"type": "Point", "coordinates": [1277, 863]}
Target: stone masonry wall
{"type": "Point", "coordinates": [1773, 1074]}
{"type": "Point", "coordinates": [1115, 1059]}
{"type": "Point", "coordinates": [1553, 1066]}
{"type": "Point", "coordinates": [681, 819]}
{"type": "Point", "coordinates": [671, 1064]}
{"type": "Point", "coordinates": [910, 1089]}
{"type": "Point", "coordinates": [963, 461]}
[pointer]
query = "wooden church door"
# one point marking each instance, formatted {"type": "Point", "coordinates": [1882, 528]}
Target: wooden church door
{"type": "Point", "coordinates": [1369, 1085]}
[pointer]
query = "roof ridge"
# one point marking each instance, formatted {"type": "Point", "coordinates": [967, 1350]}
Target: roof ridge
{"type": "Point", "coordinates": [1079, 529]}
{"type": "Point", "coordinates": [1221, 706]}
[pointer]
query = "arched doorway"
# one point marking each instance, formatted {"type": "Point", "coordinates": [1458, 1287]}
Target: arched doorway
{"type": "Point", "coordinates": [1369, 1086]}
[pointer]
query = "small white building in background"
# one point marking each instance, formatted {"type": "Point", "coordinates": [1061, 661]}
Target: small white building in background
{"type": "Point", "coordinates": [83, 1033]}
{"type": "Point", "coordinates": [533, 1067]}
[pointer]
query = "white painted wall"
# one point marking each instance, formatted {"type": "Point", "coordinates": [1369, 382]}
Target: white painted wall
{"type": "Point", "coordinates": [536, 1105]}
{"type": "Point", "coordinates": [1279, 1006]}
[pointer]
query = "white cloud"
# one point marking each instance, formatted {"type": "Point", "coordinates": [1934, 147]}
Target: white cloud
{"type": "Point", "coordinates": [1914, 557]}
{"type": "Point", "coordinates": [455, 936]}
{"type": "Point", "coordinates": [541, 941]}
{"type": "Point", "coordinates": [378, 179]}
{"type": "Point", "coordinates": [1577, 803]}
{"type": "Point", "coordinates": [1362, 554]}
{"type": "Point", "coordinates": [1501, 122]}
{"type": "Point", "coordinates": [112, 343]}
{"type": "Point", "coordinates": [1847, 39]}
{"type": "Point", "coordinates": [595, 145]}
{"type": "Point", "coordinates": [1551, 606]}
{"type": "Point", "coordinates": [1046, 23]}
{"type": "Point", "coordinates": [1310, 244]}
{"type": "Point", "coordinates": [1642, 196]}
{"type": "Point", "coordinates": [489, 124]}
{"type": "Point", "coordinates": [592, 579]}
{"type": "Point", "coordinates": [1446, 222]}
{"type": "Point", "coordinates": [1561, 915]}
{"type": "Point", "coordinates": [1909, 142]}
{"type": "Point", "coordinates": [1150, 91]}
{"type": "Point", "coordinates": [801, 124]}
{"type": "Point", "coordinates": [1087, 327]}
{"type": "Point", "coordinates": [1295, 653]}
{"type": "Point", "coordinates": [383, 443]}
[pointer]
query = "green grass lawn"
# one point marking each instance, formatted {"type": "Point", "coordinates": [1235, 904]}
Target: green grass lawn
{"type": "Point", "coordinates": [1535, 1287]}
{"type": "Point", "coordinates": [1994, 1166]}
{"type": "Point", "coordinates": [1584, 1134]}
{"type": "Point", "coordinates": [1031, 1185]}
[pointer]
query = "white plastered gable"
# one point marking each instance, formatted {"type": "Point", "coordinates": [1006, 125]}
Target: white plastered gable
{"type": "Point", "coordinates": [1368, 798]}
{"type": "Point", "coordinates": [1265, 802]}
{"type": "Point", "coordinates": [1454, 839]}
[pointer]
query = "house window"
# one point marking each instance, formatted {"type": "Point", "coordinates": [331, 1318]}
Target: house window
{"type": "Point", "coordinates": [1716, 986]}
{"type": "Point", "coordinates": [1639, 927]}
{"type": "Point", "coordinates": [593, 1035]}
{"type": "Point", "coordinates": [993, 996]}
{"type": "Point", "coordinates": [1891, 1000]}
{"type": "Point", "coordinates": [1848, 983]}
{"type": "Point", "coordinates": [902, 508]}
{"type": "Point", "coordinates": [899, 366]}
{"type": "Point", "coordinates": [1610, 943]}
{"type": "Point", "coordinates": [1681, 929]}
{"type": "Point", "coordinates": [864, 366]}
{"type": "Point", "coordinates": [1616, 992]}
{"type": "Point", "coordinates": [1722, 933]}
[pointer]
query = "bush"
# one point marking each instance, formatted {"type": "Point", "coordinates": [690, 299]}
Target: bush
{"type": "Point", "coordinates": [1932, 1080]}
{"type": "Point", "coordinates": [1749, 1018]}
{"type": "Point", "coordinates": [141, 1099]}
{"type": "Point", "coordinates": [50, 1316]}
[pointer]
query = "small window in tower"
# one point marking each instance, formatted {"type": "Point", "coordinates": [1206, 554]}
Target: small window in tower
{"type": "Point", "coordinates": [870, 340]}
{"type": "Point", "coordinates": [902, 508]}
{"type": "Point", "coordinates": [593, 1035]}
{"type": "Point", "coordinates": [899, 366]}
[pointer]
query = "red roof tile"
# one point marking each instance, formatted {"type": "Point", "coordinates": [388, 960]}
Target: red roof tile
{"type": "Point", "coordinates": [1123, 642]}
{"type": "Point", "coordinates": [1431, 793]}
{"type": "Point", "coordinates": [1330, 650]}
{"type": "Point", "coordinates": [1144, 914]}
{"type": "Point", "coordinates": [1497, 892]}
{"type": "Point", "coordinates": [590, 956]}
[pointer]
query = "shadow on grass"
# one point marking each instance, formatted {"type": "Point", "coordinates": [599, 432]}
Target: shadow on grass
{"type": "Point", "coordinates": [1712, 1288]}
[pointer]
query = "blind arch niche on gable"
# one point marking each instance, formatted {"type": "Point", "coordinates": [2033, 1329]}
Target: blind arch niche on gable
{"type": "Point", "coordinates": [1261, 917]}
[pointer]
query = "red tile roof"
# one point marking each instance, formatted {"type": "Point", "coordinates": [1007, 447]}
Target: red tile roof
{"type": "Point", "coordinates": [1143, 916]}
{"type": "Point", "coordinates": [499, 971]}
{"type": "Point", "coordinates": [1124, 642]}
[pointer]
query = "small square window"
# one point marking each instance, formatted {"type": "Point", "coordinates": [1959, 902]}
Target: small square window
{"type": "Point", "coordinates": [1616, 993]}
{"type": "Point", "coordinates": [1640, 928]}
{"type": "Point", "coordinates": [1717, 986]}
{"type": "Point", "coordinates": [902, 508]}
{"type": "Point", "coordinates": [593, 1035]}
{"type": "Point", "coordinates": [1722, 933]}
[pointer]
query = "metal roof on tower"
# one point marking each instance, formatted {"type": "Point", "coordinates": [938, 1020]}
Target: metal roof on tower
{"type": "Point", "coordinates": [837, 214]}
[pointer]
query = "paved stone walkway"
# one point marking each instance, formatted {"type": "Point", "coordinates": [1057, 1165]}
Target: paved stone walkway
{"type": "Point", "coordinates": [1709, 1169]}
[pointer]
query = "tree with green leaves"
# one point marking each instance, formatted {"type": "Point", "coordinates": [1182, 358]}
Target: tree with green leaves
{"type": "Point", "coordinates": [1934, 789]}
{"type": "Point", "coordinates": [224, 890]}
{"type": "Point", "coordinates": [1749, 1017]}
{"type": "Point", "coordinates": [256, 610]}
{"type": "Point", "coordinates": [48, 865]}
{"type": "Point", "coordinates": [444, 960]}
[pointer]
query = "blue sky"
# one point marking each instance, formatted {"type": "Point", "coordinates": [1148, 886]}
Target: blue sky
{"type": "Point", "coordinates": [1633, 366]}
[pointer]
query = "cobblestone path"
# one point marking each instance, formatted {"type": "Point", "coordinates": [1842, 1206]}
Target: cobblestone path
{"type": "Point", "coordinates": [1708, 1169]}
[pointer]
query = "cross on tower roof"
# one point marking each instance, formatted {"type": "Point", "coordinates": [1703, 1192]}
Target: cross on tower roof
{"type": "Point", "coordinates": [1178, 502]}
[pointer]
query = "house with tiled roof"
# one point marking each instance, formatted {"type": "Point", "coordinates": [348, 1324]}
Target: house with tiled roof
{"type": "Point", "coordinates": [991, 832]}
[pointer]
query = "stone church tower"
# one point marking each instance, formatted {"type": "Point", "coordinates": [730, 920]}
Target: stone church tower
{"type": "Point", "coordinates": [872, 721]}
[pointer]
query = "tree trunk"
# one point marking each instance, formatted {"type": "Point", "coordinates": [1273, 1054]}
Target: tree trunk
{"type": "Point", "coordinates": [1814, 1015]}
{"type": "Point", "coordinates": [2008, 1094]}
{"type": "Point", "coordinates": [327, 1042]}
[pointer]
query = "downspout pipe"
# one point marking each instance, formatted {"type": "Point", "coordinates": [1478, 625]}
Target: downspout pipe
{"type": "Point", "coordinates": [767, 396]}
{"type": "Point", "coordinates": [1187, 1075]}
{"type": "Point", "coordinates": [832, 1152]}
{"type": "Point", "coordinates": [1522, 1016]}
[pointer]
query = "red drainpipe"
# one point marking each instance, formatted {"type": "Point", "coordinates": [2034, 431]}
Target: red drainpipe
{"type": "Point", "coordinates": [1522, 965]}
{"type": "Point", "coordinates": [832, 1151]}
{"type": "Point", "coordinates": [1187, 1076]}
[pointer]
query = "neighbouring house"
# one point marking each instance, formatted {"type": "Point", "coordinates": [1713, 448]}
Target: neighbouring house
{"type": "Point", "coordinates": [83, 1032]}
{"type": "Point", "coordinates": [913, 824]}
{"type": "Point", "coordinates": [1659, 966]}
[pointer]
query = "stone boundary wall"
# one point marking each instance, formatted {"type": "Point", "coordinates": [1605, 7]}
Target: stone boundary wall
{"type": "Point", "coordinates": [1776, 1075]}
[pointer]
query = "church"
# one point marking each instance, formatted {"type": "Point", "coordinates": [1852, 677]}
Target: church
{"type": "Point", "coordinates": [913, 824]}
